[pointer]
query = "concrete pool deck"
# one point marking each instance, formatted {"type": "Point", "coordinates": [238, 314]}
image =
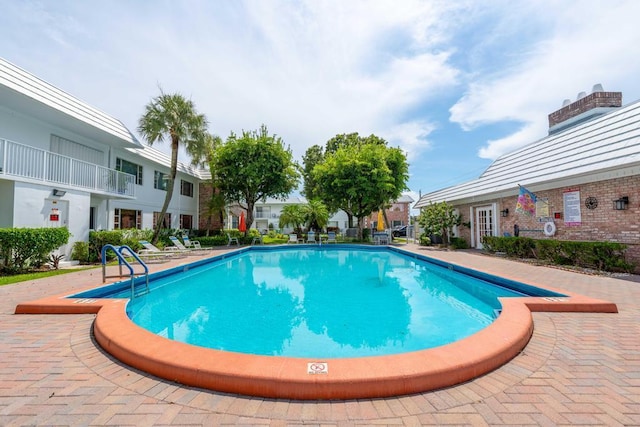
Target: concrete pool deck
{"type": "Point", "coordinates": [578, 368]}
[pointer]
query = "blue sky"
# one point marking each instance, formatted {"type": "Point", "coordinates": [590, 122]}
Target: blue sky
{"type": "Point", "coordinates": [453, 83]}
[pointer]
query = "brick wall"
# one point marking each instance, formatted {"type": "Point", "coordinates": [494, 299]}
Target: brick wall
{"type": "Point", "coordinates": [205, 220]}
{"type": "Point", "coordinates": [603, 223]}
{"type": "Point", "coordinates": [589, 102]}
{"type": "Point", "coordinates": [397, 212]}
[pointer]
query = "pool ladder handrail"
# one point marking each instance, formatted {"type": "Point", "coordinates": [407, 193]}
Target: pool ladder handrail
{"type": "Point", "coordinates": [118, 250]}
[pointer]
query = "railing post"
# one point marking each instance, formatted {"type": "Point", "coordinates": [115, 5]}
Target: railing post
{"type": "Point", "coordinates": [3, 167]}
{"type": "Point", "coordinates": [45, 160]}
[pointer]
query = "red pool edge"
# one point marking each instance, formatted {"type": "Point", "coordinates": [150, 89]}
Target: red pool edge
{"type": "Point", "coordinates": [289, 378]}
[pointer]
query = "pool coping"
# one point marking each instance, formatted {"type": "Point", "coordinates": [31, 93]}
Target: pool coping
{"type": "Point", "coordinates": [290, 378]}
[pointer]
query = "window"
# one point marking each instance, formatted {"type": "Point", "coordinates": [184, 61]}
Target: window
{"type": "Point", "coordinates": [131, 168]}
{"type": "Point", "coordinates": [92, 218]}
{"type": "Point", "coordinates": [160, 180]}
{"type": "Point", "coordinates": [186, 222]}
{"type": "Point", "coordinates": [186, 188]}
{"type": "Point", "coordinates": [263, 211]}
{"type": "Point", "coordinates": [167, 220]}
{"type": "Point", "coordinates": [127, 218]}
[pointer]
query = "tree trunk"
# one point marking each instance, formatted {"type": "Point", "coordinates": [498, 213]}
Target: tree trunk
{"type": "Point", "coordinates": [360, 228]}
{"type": "Point", "coordinates": [249, 219]}
{"type": "Point", "coordinates": [349, 220]}
{"type": "Point", "coordinates": [170, 184]}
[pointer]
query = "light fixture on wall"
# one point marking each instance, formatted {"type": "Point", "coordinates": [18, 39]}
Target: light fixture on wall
{"type": "Point", "coordinates": [504, 213]}
{"type": "Point", "coordinates": [59, 193]}
{"type": "Point", "coordinates": [621, 204]}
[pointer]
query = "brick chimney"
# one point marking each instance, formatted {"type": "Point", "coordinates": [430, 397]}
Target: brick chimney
{"type": "Point", "coordinates": [585, 108]}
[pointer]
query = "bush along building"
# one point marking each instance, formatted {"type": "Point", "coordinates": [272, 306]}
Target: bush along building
{"type": "Point", "coordinates": [579, 183]}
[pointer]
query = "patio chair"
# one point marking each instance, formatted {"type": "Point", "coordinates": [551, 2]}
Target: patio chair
{"type": "Point", "coordinates": [331, 237]}
{"type": "Point", "coordinates": [150, 248]}
{"type": "Point", "coordinates": [381, 238]}
{"type": "Point", "coordinates": [293, 238]}
{"type": "Point", "coordinates": [258, 240]}
{"type": "Point", "coordinates": [311, 237]}
{"type": "Point", "coordinates": [232, 240]}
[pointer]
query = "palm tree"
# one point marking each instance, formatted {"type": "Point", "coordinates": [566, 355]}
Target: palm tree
{"type": "Point", "coordinates": [174, 117]}
{"type": "Point", "coordinates": [316, 215]}
{"type": "Point", "coordinates": [293, 215]}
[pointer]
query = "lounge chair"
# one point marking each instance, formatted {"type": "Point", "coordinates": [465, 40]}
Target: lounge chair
{"type": "Point", "coordinates": [178, 246]}
{"type": "Point", "coordinates": [149, 257]}
{"type": "Point", "coordinates": [150, 248]}
{"type": "Point", "coordinates": [311, 237]}
{"type": "Point", "coordinates": [258, 240]}
{"type": "Point", "coordinates": [331, 237]}
{"type": "Point", "coordinates": [194, 245]}
{"type": "Point", "coordinates": [233, 240]}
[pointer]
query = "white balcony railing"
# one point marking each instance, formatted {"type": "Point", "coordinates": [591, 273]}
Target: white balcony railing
{"type": "Point", "coordinates": [24, 161]}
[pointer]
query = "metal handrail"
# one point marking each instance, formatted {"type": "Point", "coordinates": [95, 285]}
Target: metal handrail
{"type": "Point", "coordinates": [118, 251]}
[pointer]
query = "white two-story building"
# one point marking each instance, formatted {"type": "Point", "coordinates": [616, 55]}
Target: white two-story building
{"type": "Point", "coordinates": [65, 163]}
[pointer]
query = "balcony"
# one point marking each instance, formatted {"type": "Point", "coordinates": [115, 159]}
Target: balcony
{"type": "Point", "coordinates": [265, 215]}
{"type": "Point", "coordinates": [23, 162]}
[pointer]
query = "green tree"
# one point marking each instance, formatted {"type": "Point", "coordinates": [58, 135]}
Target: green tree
{"type": "Point", "coordinates": [439, 218]}
{"type": "Point", "coordinates": [351, 140]}
{"type": "Point", "coordinates": [215, 205]}
{"type": "Point", "coordinates": [316, 215]}
{"type": "Point", "coordinates": [359, 178]}
{"type": "Point", "coordinates": [293, 215]}
{"type": "Point", "coordinates": [173, 116]}
{"type": "Point", "coordinates": [253, 167]}
{"type": "Point", "coordinates": [310, 159]}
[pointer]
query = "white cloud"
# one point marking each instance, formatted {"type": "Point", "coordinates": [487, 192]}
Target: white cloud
{"type": "Point", "coordinates": [308, 70]}
{"type": "Point", "coordinates": [411, 137]}
{"type": "Point", "coordinates": [579, 52]}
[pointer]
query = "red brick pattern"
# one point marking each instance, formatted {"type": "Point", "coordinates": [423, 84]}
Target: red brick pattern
{"type": "Point", "coordinates": [600, 224]}
{"type": "Point", "coordinates": [578, 369]}
{"type": "Point", "coordinates": [589, 102]}
{"type": "Point", "coordinates": [206, 221]}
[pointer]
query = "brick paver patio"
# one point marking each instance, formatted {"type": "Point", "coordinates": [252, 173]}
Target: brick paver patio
{"type": "Point", "coordinates": [578, 369]}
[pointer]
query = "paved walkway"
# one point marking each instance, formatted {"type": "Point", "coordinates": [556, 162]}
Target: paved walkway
{"type": "Point", "coordinates": [578, 369]}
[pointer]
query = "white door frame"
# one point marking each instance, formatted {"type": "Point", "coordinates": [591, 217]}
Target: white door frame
{"type": "Point", "coordinates": [485, 223]}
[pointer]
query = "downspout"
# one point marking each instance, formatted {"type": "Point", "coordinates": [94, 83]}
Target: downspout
{"type": "Point", "coordinates": [108, 204]}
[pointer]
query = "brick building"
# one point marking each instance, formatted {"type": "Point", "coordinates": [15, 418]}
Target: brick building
{"type": "Point", "coordinates": [585, 175]}
{"type": "Point", "coordinates": [397, 214]}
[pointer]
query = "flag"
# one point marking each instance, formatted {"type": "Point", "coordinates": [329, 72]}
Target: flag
{"type": "Point", "coordinates": [526, 202]}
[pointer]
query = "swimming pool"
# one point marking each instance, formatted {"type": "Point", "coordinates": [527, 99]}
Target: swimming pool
{"type": "Point", "coordinates": [323, 302]}
{"type": "Point", "coordinates": [315, 378]}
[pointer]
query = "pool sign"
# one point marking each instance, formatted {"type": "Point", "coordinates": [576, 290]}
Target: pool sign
{"type": "Point", "coordinates": [317, 368]}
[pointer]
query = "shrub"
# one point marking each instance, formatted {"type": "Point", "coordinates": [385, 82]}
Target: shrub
{"type": "Point", "coordinates": [425, 240]}
{"type": "Point", "coordinates": [80, 252]}
{"type": "Point", "coordinates": [97, 239]}
{"type": "Point", "coordinates": [520, 247]}
{"type": "Point", "coordinates": [606, 256]}
{"type": "Point", "coordinates": [24, 247]}
{"type": "Point", "coordinates": [459, 243]}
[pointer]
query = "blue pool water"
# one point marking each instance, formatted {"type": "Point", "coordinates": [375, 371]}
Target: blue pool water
{"type": "Point", "coordinates": [317, 302]}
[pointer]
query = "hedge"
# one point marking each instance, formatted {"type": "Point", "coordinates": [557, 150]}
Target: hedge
{"type": "Point", "coordinates": [132, 237]}
{"type": "Point", "coordinates": [605, 256]}
{"type": "Point", "coordinates": [21, 248]}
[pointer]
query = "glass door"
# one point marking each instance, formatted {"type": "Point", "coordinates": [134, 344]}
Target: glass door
{"type": "Point", "coordinates": [485, 224]}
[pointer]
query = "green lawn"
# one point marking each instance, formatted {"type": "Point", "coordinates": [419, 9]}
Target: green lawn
{"type": "Point", "coordinates": [6, 280]}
